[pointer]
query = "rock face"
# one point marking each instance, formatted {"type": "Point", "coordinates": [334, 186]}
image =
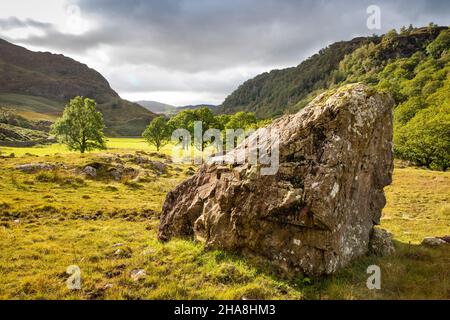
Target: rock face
{"type": "Point", "coordinates": [317, 213]}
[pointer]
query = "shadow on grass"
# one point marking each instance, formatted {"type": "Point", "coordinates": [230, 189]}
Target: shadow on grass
{"type": "Point", "coordinates": [412, 272]}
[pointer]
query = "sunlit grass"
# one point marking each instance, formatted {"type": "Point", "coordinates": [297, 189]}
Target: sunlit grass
{"type": "Point", "coordinates": [113, 144]}
{"type": "Point", "coordinates": [50, 220]}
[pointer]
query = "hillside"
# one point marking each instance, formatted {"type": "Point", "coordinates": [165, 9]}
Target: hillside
{"type": "Point", "coordinates": [42, 83]}
{"type": "Point", "coordinates": [157, 107]}
{"type": "Point", "coordinates": [169, 110]}
{"type": "Point", "coordinates": [279, 91]}
{"type": "Point", "coordinates": [198, 106]}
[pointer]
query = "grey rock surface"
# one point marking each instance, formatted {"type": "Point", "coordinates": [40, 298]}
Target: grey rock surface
{"type": "Point", "coordinates": [317, 213]}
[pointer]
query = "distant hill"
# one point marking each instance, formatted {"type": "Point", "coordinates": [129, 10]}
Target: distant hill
{"type": "Point", "coordinates": [157, 107]}
{"type": "Point", "coordinates": [288, 90]}
{"type": "Point", "coordinates": [198, 106]}
{"type": "Point", "coordinates": [41, 83]}
{"type": "Point", "coordinates": [169, 110]}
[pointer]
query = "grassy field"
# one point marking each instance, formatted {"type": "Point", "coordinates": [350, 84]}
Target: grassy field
{"type": "Point", "coordinates": [51, 220]}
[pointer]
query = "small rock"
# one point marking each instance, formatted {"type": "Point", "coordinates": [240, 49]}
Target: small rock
{"type": "Point", "coordinates": [117, 245]}
{"type": "Point", "coordinates": [158, 166]}
{"type": "Point", "coordinates": [381, 242]}
{"type": "Point", "coordinates": [90, 171]}
{"type": "Point", "coordinates": [107, 286]}
{"type": "Point", "coordinates": [433, 242]}
{"type": "Point", "coordinates": [33, 167]}
{"type": "Point", "coordinates": [137, 274]}
{"type": "Point", "coordinates": [445, 238]}
{"type": "Point", "coordinates": [116, 174]}
{"type": "Point", "coordinates": [123, 253]}
{"type": "Point", "coordinates": [17, 221]}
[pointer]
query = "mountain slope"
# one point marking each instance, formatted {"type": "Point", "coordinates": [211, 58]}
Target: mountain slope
{"type": "Point", "coordinates": [197, 106]}
{"type": "Point", "coordinates": [288, 90]}
{"type": "Point", "coordinates": [157, 107]}
{"type": "Point", "coordinates": [27, 76]}
{"type": "Point", "coordinates": [169, 110]}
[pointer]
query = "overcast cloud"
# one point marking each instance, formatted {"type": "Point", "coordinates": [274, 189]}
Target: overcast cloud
{"type": "Point", "coordinates": [197, 51]}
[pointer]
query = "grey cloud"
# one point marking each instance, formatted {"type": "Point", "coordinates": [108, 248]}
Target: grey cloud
{"type": "Point", "coordinates": [185, 38]}
{"type": "Point", "coordinates": [15, 23]}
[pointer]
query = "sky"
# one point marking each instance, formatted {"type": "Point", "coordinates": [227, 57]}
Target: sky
{"type": "Point", "coordinates": [184, 52]}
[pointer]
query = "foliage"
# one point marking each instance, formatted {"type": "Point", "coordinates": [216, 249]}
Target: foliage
{"type": "Point", "coordinates": [81, 126]}
{"type": "Point", "coordinates": [413, 66]}
{"type": "Point", "coordinates": [270, 93]}
{"type": "Point", "coordinates": [158, 132]}
{"type": "Point", "coordinates": [241, 120]}
{"type": "Point", "coordinates": [187, 118]}
{"type": "Point", "coordinates": [362, 59]}
{"type": "Point", "coordinates": [442, 43]}
{"type": "Point", "coordinates": [426, 138]}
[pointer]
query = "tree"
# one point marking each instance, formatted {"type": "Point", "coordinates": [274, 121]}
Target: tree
{"type": "Point", "coordinates": [222, 121]}
{"type": "Point", "coordinates": [81, 126]}
{"type": "Point", "coordinates": [425, 139]}
{"type": "Point", "coordinates": [186, 119]}
{"type": "Point", "coordinates": [157, 132]}
{"type": "Point", "coordinates": [241, 120]}
{"type": "Point", "coordinates": [438, 46]}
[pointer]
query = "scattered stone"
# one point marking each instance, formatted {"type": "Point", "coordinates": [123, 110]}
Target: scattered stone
{"type": "Point", "coordinates": [123, 253]}
{"type": "Point", "coordinates": [381, 243]}
{"type": "Point", "coordinates": [433, 242]}
{"type": "Point", "coordinates": [445, 238]}
{"type": "Point", "coordinates": [17, 221]}
{"type": "Point", "coordinates": [108, 286]}
{"type": "Point", "coordinates": [34, 167]}
{"type": "Point", "coordinates": [137, 274]}
{"type": "Point", "coordinates": [141, 160]}
{"type": "Point", "coordinates": [116, 173]}
{"type": "Point", "coordinates": [117, 245]}
{"type": "Point", "coordinates": [317, 212]}
{"type": "Point", "coordinates": [90, 172]}
{"type": "Point", "coordinates": [158, 166]}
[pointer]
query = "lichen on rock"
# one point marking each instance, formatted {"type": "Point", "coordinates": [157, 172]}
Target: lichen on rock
{"type": "Point", "coordinates": [317, 213]}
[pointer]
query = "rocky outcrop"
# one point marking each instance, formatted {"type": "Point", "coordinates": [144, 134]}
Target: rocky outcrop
{"type": "Point", "coordinates": [317, 212]}
{"type": "Point", "coordinates": [381, 243]}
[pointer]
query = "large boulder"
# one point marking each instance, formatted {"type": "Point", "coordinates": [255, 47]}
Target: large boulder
{"type": "Point", "coordinates": [317, 212]}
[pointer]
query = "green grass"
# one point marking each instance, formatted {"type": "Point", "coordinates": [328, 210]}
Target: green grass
{"type": "Point", "coordinates": [39, 108]}
{"type": "Point", "coordinates": [51, 220]}
{"type": "Point", "coordinates": [113, 144]}
{"type": "Point", "coordinates": [418, 204]}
